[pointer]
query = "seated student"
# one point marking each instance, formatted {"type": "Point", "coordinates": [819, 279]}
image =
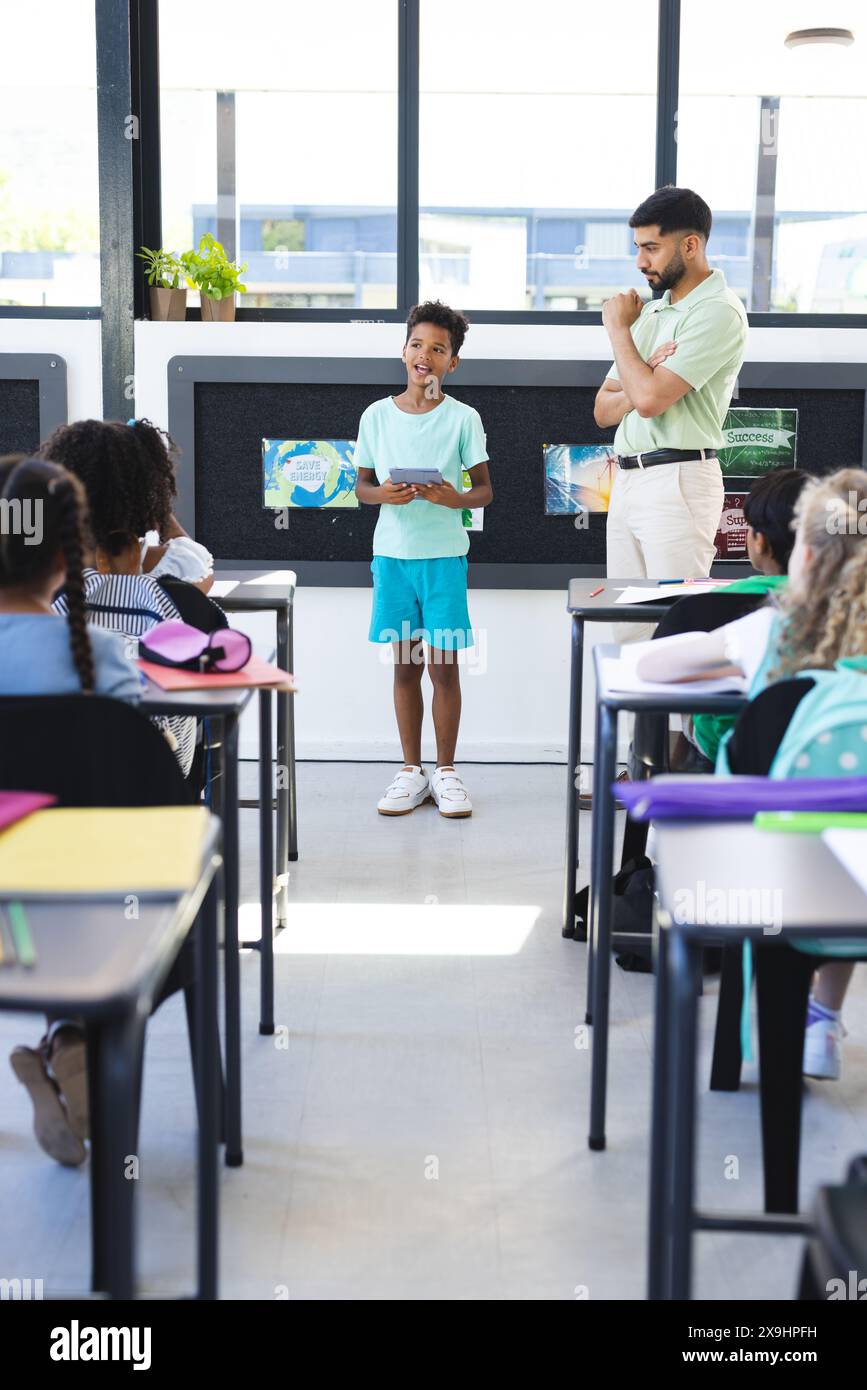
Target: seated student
{"type": "Point", "coordinates": [126, 497]}
{"type": "Point", "coordinates": [134, 462]}
{"type": "Point", "coordinates": [44, 654]}
{"type": "Point", "coordinates": [820, 616]}
{"type": "Point", "coordinates": [769, 511]}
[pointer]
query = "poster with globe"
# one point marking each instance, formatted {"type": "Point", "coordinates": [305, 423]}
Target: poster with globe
{"type": "Point", "coordinates": [308, 473]}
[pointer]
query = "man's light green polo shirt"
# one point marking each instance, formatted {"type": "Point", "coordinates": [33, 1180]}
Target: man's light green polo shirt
{"type": "Point", "coordinates": [709, 326]}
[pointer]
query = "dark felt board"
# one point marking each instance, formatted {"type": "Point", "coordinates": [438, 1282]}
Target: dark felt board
{"type": "Point", "coordinates": [19, 416]}
{"type": "Point", "coordinates": [232, 418]}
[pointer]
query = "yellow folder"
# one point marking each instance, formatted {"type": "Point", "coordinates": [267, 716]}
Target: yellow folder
{"type": "Point", "coordinates": [94, 851]}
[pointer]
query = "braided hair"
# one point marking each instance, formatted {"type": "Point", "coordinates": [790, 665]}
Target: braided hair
{"type": "Point", "coordinates": [128, 474]}
{"type": "Point", "coordinates": [58, 499]}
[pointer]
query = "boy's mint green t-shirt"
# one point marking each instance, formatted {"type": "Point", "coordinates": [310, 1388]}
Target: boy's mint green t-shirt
{"type": "Point", "coordinates": [450, 437]}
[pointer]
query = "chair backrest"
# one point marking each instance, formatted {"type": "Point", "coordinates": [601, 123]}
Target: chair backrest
{"type": "Point", "coordinates": [87, 750]}
{"type": "Point", "coordinates": [194, 607]}
{"type": "Point", "coordinates": [705, 612]}
{"type": "Point", "coordinates": [761, 726]}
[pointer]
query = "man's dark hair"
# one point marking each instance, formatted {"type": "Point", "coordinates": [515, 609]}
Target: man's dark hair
{"type": "Point", "coordinates": [433, 311]}
{"type": "Point", "coordinates": [674, 210]}
{"type": "Point", "coordinates": [770, 507]}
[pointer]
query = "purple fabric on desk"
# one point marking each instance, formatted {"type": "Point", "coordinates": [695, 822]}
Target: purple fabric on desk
{"type": "Point", "coordinates": [738, 798]}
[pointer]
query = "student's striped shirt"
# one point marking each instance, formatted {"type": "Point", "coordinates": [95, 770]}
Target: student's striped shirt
{"type": "Point", "coordinates": [132, 604]}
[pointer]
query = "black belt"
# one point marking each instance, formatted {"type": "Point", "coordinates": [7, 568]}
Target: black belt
{"type": "Point", "coordinates": [649, 460]}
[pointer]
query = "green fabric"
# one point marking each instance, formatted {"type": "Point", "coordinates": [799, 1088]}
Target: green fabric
{"type": "Point", "coordinates": [709, 729]}
{"type": "Point", "coordinates": [451, 438]}
{"type": "Point", "coordinates": [709, 326]}
{"type": "Point", "coordinates": [810, 822]}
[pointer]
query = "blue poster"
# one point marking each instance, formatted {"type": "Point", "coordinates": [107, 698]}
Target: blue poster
{"type": "Point", "coordinates": [308, 473]}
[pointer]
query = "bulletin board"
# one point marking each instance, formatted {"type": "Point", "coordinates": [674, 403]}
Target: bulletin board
{"type": "Point", "coordinates": [221, 408]}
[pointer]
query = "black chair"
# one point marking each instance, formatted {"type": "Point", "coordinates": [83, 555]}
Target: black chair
{"type": "Point", "coordinates": [194, 607]}
{"type": "Point", "coordinates": [91, 750]}
{"type": "Point", "coordinates": [202, 612]}
{"type": "Point", "coordinates": [835, 1259]}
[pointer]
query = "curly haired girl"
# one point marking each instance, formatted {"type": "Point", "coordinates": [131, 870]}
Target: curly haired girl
{"type": "Point", "coordinates": [128, 472]}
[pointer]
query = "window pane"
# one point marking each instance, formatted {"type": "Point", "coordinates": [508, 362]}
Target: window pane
{"type": "Point", "coordinates": [537, 141]}
{"type": "Point", "coordinates": [49, 198]}
{"type": "Point", "coordinates": [308, 196]}
{"type": "Point", "coordinates": [792, 124]}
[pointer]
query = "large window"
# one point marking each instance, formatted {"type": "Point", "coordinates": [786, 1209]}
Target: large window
{"type": "Point", "coordinates": [775, 138]}
{"type": "Point", "coordinates": [49, 198]}
{"type": "Point", "coordinates": [279, 136]}
{"type": "Point", "coordinates": [537, 140]}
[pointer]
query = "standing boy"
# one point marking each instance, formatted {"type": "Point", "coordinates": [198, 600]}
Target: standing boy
{"type": "Point", "coordinates": [420, 548]}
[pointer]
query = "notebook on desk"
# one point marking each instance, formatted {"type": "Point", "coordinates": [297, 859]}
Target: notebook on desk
{"type": "Point", "coordinates": [621, 677]}
{"type": "Point", "coordinates": [256, 673]}
{"type": "Point", "coordinates": [151, 851]}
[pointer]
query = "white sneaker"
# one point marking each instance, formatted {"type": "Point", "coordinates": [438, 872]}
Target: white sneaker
{"type": "Point", "coordinates": [822, 1051]}
{"type": "Point", "coordinates": [409, 789]}
{"type": "Point", "coordinates": [449, 793]}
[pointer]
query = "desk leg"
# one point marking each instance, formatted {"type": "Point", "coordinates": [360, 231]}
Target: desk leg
{"type": "Point", "coordinates": [657, 1233]}
{"type": "Point", "coordinates": [685, 958]}
{"type": "Point", "coordinates": [114, 1056]}
{"type": "Point", "coordinates": [287, 805]}
{"type": "Point", "coordinates": [602, 856]}
{"type": "Point", "coordinates": [209, 1093]}
{"type": "Point", "coordinates": [573, 773]}
{"type": "Point", "coordinates": [266, 866]}
{"type": "Point", "coordinates": [234, 1147]}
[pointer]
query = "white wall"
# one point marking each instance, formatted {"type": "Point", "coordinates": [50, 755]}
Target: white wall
{"type": "Point", "coordinates": [77, 341]}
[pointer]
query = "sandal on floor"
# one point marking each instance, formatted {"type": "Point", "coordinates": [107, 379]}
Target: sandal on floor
{"type": "Point", "coordinates": [51, 1121]}
{"type": "Point", "coordinates": [67, 1065]}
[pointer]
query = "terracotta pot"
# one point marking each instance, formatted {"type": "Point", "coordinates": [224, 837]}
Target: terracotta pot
{"type": "Point", "coordinates": [218, 310]}
{"type": "Point", "coordinates": [168, 305]}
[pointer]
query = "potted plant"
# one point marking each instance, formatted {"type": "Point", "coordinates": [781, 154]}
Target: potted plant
{"type": "Point", "coordinates": [215, 277]}
{"type": "Point", "coordinates": [164, 273]}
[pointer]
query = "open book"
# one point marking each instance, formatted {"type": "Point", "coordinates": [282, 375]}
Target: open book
{"type": "Point", "coordinates": [620, 675]}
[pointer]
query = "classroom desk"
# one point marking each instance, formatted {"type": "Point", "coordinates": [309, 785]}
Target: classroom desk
{"type": "Point", "coordinates": [584, 609]}
{"type": "Point", "coordinates": [818, 897]}
{"type": "Point", "coordinates": [91, 962]}
{"type": "Point", "coordinates": [249, 596]}
{"type": "Point", "coordinates": [609, 704]}
{"type": "Point", "coordinates": [227, 707]}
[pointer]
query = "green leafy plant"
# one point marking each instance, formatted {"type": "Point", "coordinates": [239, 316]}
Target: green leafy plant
{"type": "Point", "coordinates": [162, 268]}
{"type": "Point", "coordinates": [210, 272]}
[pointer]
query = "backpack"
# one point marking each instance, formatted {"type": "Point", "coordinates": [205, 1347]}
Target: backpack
{"type": "Point", "coordinates": [827, 734]}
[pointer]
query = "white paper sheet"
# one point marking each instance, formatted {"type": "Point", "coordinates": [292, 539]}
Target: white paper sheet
{"type": "Point", "coordinates": [620, 675]}
{"type": "Point", "coordinates": [634, 594]}
{"type": "Point", "coordinates": [850, 848]}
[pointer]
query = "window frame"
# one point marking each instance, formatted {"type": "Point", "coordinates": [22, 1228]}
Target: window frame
{"type": "Point", "coordinates": [147, 222]}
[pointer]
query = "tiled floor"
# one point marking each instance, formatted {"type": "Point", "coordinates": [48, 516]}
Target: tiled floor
{"type": "Point", "coordinates": [419, 1129]}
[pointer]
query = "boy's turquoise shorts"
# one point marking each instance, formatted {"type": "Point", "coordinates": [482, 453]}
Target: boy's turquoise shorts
{"type": "Point", "coordinates": [421, 599]}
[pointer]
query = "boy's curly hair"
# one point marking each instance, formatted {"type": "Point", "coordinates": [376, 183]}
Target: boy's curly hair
{"type": "Point", "coordinates": [434, 311]}
{"type": "Point", "coordinates": [831, 621]}
{"type": "Point", "coordinates": [128, 472]}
